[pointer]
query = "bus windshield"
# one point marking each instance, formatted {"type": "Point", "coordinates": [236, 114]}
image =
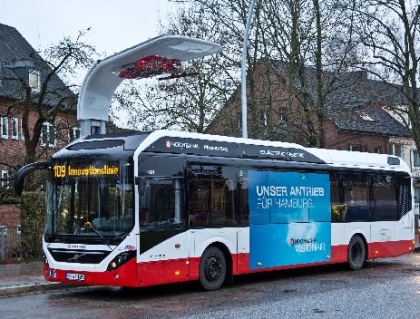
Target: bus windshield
{"type": "Point", "coordinates": [90, 199]}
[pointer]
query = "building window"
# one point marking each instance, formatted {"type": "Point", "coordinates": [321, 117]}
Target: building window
{"type": "Point", "coordinates": [282, 117]}
{"type": "Point", "coordinates": [74, 133]}
{"type": "Point", "coordinates": [415, 160]}
{"type": "Point", "coordinates": [5, 179]}
{"type": "Point", "coordinates": [22, 136]}
{"type": "Point", "coordinates": [366, 116]}
{"type": "Point", "coordinates": [5, 127]}
{"type": "Point", "coordinates": [34, 79]}
{"type": "Point", "coordinates": [95, 129]}
{"type": "Point", "coordinates": [49, 138]}
{"type": "Point", "coordinates": [396, 149]}
{"type": "Point", "coordinates": [3, 230]}
{"type": "Point", "coordinates": [357, 148]}
{"type": "Point", "coordinates": [239, 122]}
{"type": "Point", "coordinates": [263, 118]}
{"type": "Point", "coordinates": [0, 72]}
{"type": "Point", "coordinates": [416, 197]}
{"type": "Point", "coordinates": [378, 149]}
{"type": "Point", "coordinates": [15, 128]}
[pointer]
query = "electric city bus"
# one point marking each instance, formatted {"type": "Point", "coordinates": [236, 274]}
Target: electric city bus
{"type": "Point", "coordinates": [137, 209]}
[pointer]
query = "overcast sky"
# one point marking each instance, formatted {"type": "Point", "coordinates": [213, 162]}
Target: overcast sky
{"type": "Point", "coordinates": [115, 25]}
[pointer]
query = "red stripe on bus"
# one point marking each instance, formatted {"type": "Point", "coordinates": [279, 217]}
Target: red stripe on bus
{"type": "Point", "coordinates": [181, 270]}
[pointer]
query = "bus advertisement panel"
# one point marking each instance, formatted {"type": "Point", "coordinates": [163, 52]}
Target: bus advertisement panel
{"type": "Point", "coordinates": [290, 212]}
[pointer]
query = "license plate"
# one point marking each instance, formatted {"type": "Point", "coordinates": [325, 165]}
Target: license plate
{"type": "Point", "coordinates": [73, 276]}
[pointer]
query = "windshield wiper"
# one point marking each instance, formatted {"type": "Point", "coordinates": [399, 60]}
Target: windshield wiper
{"type": "Point", "coordinates": [104, 240]}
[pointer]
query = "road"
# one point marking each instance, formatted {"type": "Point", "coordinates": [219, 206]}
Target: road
{"type": "Point", "coordinates": [383, 289]}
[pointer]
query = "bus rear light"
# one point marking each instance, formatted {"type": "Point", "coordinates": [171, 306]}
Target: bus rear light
{"type": "Point", "coordinates": [121, 259]}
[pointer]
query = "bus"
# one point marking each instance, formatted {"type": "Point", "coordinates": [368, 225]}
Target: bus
{"type": "Point", "coordinates": [136, 209]}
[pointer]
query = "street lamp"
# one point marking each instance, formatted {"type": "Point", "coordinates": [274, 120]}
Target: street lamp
{"type": "Point", "coordinates": [243, 72]}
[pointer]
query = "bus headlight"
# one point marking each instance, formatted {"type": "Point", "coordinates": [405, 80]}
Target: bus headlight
{"type": "Point", "coordinates": [121, 259]}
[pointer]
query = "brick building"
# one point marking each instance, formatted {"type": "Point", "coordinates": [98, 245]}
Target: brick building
{"type": "Point", "coordinates": [25, 76]}
{"type": "Point", "coordinates": [357, 113]}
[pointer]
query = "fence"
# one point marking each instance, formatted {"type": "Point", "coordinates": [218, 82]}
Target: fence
{"type": "Point", "coordinates": [21, 227]}
{"type": "Point", "coordinates": [10, 243]}
{"type": "Point", "coordinates": [16, 244]}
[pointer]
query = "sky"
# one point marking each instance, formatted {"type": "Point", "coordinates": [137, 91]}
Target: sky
{"type": "Point", "coordinates": [115, 25]}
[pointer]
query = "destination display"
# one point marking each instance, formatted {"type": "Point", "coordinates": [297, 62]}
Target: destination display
{"type": "Point", "coordinates": [61, 171]}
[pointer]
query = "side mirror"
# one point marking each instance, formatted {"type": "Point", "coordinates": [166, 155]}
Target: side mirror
{"type": "Point", "coordinates": [25, 170]}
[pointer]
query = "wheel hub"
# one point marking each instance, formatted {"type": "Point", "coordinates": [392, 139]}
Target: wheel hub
{"type": "Point", "coordinates": [213, 269]}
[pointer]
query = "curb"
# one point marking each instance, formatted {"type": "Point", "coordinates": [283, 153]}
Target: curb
{"type": "Point", "coordinates": [23, 289]}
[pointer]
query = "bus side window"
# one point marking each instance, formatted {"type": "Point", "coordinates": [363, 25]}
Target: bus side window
{"type": "Point", "coordinates": [384, 197]}
{"type": "Point", "coordinates": [161, 192]}
{"type": "Point", "coordinates": [403, 184]}
{"type": "Point", "coordinates": [243, 206]}
{"type": "Point", "coordinates": [356, 197]}
{"type": "Point", "coordinates": [212, 193]}
{"type": "Point", "coordinates": [338, 208]}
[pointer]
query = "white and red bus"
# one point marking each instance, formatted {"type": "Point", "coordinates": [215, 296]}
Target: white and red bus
{"type": "Point", "coordinates": [138, 209]}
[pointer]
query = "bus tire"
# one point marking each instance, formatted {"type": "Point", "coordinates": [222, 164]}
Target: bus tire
{"type": "Point", "coordinates": [356, 253]}
{"type": "Point", "coordinates": [213, 268]}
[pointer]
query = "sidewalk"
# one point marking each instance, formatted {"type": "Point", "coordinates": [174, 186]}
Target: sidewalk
{"type": "Point", "coordinates": [23, 277]}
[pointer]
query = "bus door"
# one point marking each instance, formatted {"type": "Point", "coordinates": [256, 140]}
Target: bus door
{"type": "Point", "coordinates": [290, 219]}
{"type": "Point", "coordinates": [216, 204]}
{"type": "Point", "coordinates": [163, 239]}
{"type": "Point", "coordinates": [391, 203]}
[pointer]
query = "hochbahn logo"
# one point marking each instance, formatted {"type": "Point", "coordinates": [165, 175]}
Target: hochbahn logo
{"type": "Point", "coordinates": [304, 245]}
{"type": "Point", "coordinates": [299, 241]}
{"type": "Point", "coordinates": [170, 144]}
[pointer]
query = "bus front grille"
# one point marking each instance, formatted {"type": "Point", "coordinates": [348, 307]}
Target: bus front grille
{"type": "Point", "coordinates": [79, 256]}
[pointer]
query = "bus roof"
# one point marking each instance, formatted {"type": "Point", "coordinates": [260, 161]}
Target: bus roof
{"type": "Point", "coordinates": [162, 141]}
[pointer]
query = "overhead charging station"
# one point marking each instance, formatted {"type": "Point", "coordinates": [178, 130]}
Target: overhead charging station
{"type": "Point", "coordinates": [162, 55]}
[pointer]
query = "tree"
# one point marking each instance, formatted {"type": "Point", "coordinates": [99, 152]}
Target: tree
{"type": "Point", "coordinates": [306, 37]}
{"type": "Point", "coordinates": [306, 40]}
{"type": "Point", "coordinates": [41, 107]}
{"type": "Point", "coordinates": [187, 102]}
{"type": "Point", "coordinates": [390, 35]}
{"type": "Point", "coordinates": [63, 60]}
{"type": "Point", "coordinates": [313, 50]}
{"type": "Point", "coordinates": [52, 96]}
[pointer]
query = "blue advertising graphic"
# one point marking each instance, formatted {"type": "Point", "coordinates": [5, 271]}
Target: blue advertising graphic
{"type": "Point", "coordinates": [290, 218]}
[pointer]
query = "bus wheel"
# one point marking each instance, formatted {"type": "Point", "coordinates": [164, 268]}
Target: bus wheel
{"type": "Point", "coordinates": [356, 253]}
{"type": "Point", "coordinates": [212, 268]}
